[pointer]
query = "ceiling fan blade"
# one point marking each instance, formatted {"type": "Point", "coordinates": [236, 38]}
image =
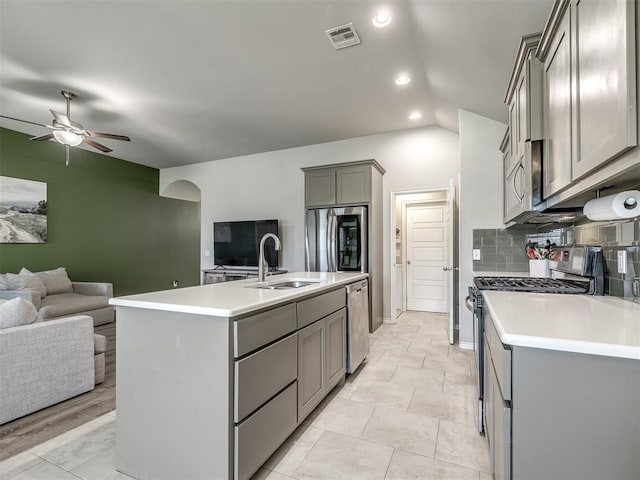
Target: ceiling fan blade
{"type": "Point", "coordinates": [61, 118]}
{"type": "Point", "coordinates": [66, 151]}
{"type": "Point", "coordinates": [109, 135]}
{"type": "Point", "coordinates": [97, 145]}
{"type": "Point", "coordinates": [26, 121]}
{"type": "Point", "coordinates": [47, 136]}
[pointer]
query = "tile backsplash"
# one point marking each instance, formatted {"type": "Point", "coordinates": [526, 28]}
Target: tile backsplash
{"type": "Point", "coordinates": [502, 250]}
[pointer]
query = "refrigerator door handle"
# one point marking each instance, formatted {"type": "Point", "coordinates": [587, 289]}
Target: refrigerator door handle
{"type": "Point", "coordinates": [333, 254]}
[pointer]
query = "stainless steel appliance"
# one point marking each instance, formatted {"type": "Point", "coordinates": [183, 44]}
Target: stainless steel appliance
{"type": "Point", "coordinates": [576, 270]}
{"type": "Point", "coordinates": [357, 324]}
{"type": "Point", "coordinates": [527, 185]}
{"type": "Point", "coordinates": [336, 239]}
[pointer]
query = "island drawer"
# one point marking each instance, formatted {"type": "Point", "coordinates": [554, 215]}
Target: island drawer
{"type": "Point", "coordinates": [253, 332]}
{"type": "Point", "coordinates": [262, 374]}
{"type": "Point", "coordinates": [263, 432]}
{"type": "Point", "coordinates": [500, 357]}
{"type": "Point", "coordinates": [318, 307]}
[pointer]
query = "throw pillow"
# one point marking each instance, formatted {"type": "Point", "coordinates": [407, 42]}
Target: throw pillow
{"type": "Point", "coordinates": [27, 282]}
{"type": "Point", "coordinates": [55, 281]}
{"type": "Point", "coordinates": [4, 282]}
{"type": "Point", "coordinates": [17, 311]}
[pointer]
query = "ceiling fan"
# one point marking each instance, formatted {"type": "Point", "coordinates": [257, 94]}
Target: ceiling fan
{"type": "Point", "coordinates": [70, 133]}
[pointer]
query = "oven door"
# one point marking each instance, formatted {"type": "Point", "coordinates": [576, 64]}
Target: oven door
{"type": "Point", "coordinates": [474, 303]}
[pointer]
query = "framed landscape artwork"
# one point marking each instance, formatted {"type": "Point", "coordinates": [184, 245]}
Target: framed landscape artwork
{"type": "Point", "coordinates": [23, 211]}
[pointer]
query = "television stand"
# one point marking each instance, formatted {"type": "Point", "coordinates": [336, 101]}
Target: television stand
{"type": "Point", "coordinates": [228, 274]}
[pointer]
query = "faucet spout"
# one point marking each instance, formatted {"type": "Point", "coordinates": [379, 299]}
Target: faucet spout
{"type": "Point", "coordinates": [263, 266]}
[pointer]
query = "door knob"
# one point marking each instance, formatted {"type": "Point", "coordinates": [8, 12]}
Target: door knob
{"type": "Point", "coordinates": [449, 269]}
{"type": "Point", "coordinates": [408, 262]}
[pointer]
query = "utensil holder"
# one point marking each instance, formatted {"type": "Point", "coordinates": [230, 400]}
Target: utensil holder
{"type": "Point", "coordinates": [539, 268]}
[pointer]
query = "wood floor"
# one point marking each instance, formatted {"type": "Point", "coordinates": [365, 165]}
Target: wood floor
{"type": "Point", "coordinates": [26, 432]}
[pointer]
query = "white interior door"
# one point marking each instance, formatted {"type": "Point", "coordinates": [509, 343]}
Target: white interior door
{"type": "Point", "coordinates": [427, 256]}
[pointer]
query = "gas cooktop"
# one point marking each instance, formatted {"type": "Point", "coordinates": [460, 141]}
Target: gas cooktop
{"type": "Point", "coordinates": [529, 284]}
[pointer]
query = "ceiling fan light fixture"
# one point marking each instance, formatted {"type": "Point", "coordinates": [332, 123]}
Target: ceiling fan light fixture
{"type": "Point", "coordinates": [68, 138]}
{"type": "Point", "coordinates": [382, 19]}
{"type": "Point", "coordinates": [402, 79]}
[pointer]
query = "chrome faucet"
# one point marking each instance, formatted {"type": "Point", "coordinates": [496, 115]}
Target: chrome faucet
{"type": "Point", "coordinates": [263, 266]}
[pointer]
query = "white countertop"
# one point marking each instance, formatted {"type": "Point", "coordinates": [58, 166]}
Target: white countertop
{"type": "Point", "coordinates": [230, 299]}
{"type": "Point", "coordinates": [589, 324]}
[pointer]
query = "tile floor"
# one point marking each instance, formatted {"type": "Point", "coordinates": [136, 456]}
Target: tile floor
{"type": "Point", "coordinates": [408, 413]}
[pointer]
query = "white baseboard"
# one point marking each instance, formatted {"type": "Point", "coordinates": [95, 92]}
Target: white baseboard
{"type": "Point", "coordinates": [466, 345]}
{"type": "Point", "coordinates": [388, 320]}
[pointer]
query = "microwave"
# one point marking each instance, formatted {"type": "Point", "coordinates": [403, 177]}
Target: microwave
{"type": "Point", "coordinates": [533, 208]}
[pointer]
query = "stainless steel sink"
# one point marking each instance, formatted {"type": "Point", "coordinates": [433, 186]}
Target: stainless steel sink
{"type": "Point", "coordinates": [286, 285]}
{"type": "Point", "coordinates": [293, 284]}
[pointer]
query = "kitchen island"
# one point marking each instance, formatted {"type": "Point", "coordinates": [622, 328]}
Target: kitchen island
{"type": "Point", "coordinates": [212, 379]}
{"type": "Point", "coordinates": [562, 386]}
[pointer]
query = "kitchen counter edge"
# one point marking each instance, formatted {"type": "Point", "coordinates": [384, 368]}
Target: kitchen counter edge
{"type": "Point", "coordinates": [550, 341]}
{"type": "Point", "coordinates": [266, 298]}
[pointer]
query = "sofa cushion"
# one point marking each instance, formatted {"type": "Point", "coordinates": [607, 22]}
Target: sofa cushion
{"type": "Point", "coordinates": [4, 282]}
{"type": "Point", "coordinates": [99, 343]}
{"type": "Point", "coordinates": [16, 312]}
{"type": "Point", "coordinates": [70, 303]}
{"type": "Point", "coordinates": [55, 281]}
{"type": "Point", "coordinates": [26, 282]}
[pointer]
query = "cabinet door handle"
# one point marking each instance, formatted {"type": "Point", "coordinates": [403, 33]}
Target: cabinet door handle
{"type": "Point", "coordinates": [515, 177]}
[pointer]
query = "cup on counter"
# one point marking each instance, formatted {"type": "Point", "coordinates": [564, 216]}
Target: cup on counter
{"type": "Point", "coordinates": [539, 268]}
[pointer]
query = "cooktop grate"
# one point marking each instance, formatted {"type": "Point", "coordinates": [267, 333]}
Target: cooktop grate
{"type": "Point", "coordinates": [528, 284]}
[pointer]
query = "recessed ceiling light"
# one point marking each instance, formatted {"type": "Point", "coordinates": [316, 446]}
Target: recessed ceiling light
{"type": "Point", "coordinates": [403, 79]}
{"type": "Point", "coordinates": [382, 19]}
{"type": "Point", "coordinates": [415, 115]}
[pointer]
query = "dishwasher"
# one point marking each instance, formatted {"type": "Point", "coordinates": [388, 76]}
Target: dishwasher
{"type": "Point", "coordinates": [357, 324]}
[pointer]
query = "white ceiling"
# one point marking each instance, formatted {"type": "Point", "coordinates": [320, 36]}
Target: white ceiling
{"type": "Point", "coordinates": [193, 80]}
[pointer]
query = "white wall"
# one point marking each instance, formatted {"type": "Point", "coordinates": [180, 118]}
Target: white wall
{"type": "Point", "coordinates": [480, 200]}
{"type": "Point", "coordinates": [271, 184]}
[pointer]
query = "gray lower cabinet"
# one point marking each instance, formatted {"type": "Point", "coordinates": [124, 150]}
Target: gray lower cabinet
{"type": "Point", "coordinates": [560, 415]}
{"type": "Point", "coordinates": [262, 433]}
{"type": "Point", "coordinates": [311, 367]}
{"type": "Point", "coordinates": [335, 348]}
{"type": "Point", "coordinates": [322, 360]}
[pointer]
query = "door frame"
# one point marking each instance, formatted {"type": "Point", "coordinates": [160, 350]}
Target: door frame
{"type": "Point", "coordinates": [450, 195]}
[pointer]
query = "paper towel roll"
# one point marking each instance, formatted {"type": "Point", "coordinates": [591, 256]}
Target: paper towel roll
{"type": "Point", "coordinates": [614, 207]}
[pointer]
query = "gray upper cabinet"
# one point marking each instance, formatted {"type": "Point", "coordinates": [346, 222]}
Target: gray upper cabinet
{"type": "Point", "coordinates": [353, 184]}
{"type": "Point", "coordinates": [589, 94]}
{"type": "Point", "coordinates": [605, 93]}
{"type": "Point", "coordinates": [557, 89]}
{"type": "Point", "coordinates": [320, 187]}
{"type": "Point", "coordinates": [341, 184]}
{"type": "Point", "coordinates": [524, 99]}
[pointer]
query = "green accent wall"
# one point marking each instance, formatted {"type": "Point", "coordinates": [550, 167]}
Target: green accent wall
{"type": "Point", "coordinates": [106, 221]}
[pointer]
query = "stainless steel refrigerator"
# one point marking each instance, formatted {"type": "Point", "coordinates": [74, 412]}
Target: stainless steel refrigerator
{"type": "Point", "coordinates": [336, 239]}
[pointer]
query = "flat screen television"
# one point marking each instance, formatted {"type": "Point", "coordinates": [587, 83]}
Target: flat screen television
{"type": "Point", "coordinates": [237, 244]}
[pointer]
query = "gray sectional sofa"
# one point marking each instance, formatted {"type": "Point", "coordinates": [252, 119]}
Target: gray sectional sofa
{"type": "Point", "coordinates": [45, 362]}
{"type": "Point", "coordinates": [55, 296]}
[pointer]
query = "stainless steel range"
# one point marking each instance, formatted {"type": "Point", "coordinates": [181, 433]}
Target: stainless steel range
{"type": "Point", "coordinates": [574, 270]}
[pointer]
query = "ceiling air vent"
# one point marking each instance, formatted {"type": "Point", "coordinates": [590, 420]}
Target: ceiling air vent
{"type": "Point", "coordinates": [343, 36]}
